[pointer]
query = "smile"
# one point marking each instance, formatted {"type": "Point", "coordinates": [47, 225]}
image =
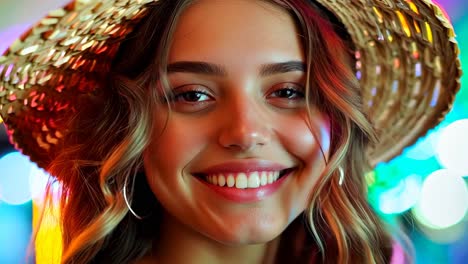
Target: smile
{"type": "Point", "coordinates": [244, 180]}
{"type": "Point", "coordinates": [245, 186]}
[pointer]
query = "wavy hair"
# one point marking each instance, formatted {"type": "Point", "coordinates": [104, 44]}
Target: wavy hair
{"type": "Point", "coordinates": [103, 152]}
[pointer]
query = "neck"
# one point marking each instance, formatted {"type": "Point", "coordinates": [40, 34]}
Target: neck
{"type": "Point", "coordinates": [178, 243]}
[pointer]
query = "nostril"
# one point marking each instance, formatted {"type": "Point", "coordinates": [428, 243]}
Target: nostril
{"type": "Point", "coordinates": [244, 138]}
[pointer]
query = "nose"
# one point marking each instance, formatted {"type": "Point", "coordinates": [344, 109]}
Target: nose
{"type": "Point", "coordinates": [245, 126]}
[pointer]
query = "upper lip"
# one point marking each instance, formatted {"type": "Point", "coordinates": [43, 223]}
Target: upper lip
{"type": "Point", "coordinates": [245, 166]}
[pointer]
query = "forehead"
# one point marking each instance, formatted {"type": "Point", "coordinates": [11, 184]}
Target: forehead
{"type": "Point", "coordinates": [235, 31]}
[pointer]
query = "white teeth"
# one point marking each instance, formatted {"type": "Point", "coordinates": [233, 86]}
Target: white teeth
{"type": "Point", "coordinates": [276, 175]}
{"type": "Point", "coordinates": [243, 180]}
{"type": "Point", "coordinates": [221, 180]}
{"type": "Point", "coordinates": [270, 177]}
{"type": "Point", "coordinates": [264, 178]}
{"type": "Point", "coordinates": [254, 180]}
{"type": "Point", "coordinates": [230, 180]}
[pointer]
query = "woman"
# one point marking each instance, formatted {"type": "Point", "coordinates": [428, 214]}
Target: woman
{"type": "Point", "coordinates": [234, 131]}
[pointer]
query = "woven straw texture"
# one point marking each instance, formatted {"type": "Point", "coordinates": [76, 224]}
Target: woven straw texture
{"type": "Point", "coordinates": [406, 61]}
{"type": "Point", "coordinates": [408, 66]}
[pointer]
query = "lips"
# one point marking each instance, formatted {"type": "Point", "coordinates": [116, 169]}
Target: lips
{"type": "Point", "coordinates": [244, 181]}
{"type": "Point", "coordinates": [243, 174]}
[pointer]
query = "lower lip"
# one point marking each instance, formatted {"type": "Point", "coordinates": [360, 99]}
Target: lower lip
{"type": "Point", "coordinates": [247, 195]}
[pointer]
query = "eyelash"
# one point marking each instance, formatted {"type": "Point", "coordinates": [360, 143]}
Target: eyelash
{"type": "Point", "coordinates": [293, 98]}
{"type": "Point", "coordinates": [298, 92]}
{"type": "Point", "coordinates": [177, 95]}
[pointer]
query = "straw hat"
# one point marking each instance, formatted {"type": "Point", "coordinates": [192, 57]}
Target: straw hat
{"type": "Point", "coordinates": [406, 61]}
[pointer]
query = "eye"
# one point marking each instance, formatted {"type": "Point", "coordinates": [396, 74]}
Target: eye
{"type": "Point", "coordinates": [190, 94]}
{"type": "Point", "coordinates": [287, 95]}
{"type": "Point", "coordinates": [191, 98]}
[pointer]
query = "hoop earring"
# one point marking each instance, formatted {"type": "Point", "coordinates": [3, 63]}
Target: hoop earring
{"type": "Point", "coordinates": [341, 173]}
{"type": "Point", "coordinates": [124, 190]}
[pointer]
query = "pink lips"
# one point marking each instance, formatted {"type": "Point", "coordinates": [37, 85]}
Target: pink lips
{"type": "Point", "coordinates": [247, 195]}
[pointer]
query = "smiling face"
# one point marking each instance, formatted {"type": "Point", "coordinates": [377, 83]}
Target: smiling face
{"type": "Point", "coordinates": [238, 121]}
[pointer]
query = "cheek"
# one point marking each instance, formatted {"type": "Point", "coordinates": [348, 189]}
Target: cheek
{"type": "Point", "coordinates": [174, 145]}
{"type": "Point", "coordinates": [303, 137]}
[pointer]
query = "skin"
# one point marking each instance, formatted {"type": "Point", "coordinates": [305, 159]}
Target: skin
{"type": "Point", "coordinates": [240, 115]}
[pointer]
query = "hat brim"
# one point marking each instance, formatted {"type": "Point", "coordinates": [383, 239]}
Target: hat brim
{"type": "Point", "coordinates": [406, 61]}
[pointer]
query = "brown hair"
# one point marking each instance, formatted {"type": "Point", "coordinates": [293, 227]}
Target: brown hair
{"type": "Point", "coordinates": [104, 151]}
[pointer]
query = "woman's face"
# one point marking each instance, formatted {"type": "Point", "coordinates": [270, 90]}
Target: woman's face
{"type": "Point", "coordinates": [238, 120]}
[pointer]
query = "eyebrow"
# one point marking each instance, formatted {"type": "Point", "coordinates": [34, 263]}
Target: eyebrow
{"type": "Point", "coordinates": [283, 67]}
{"type": "Point", "coordinates": [207, 68]}
{"type": "Point", "coordinates": [196, 67]}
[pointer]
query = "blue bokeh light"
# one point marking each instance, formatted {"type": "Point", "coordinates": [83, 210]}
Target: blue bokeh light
{"type": "Point", "coordinates": [14, 178]}
{"type": "Point", "coordinates": [15, 233]}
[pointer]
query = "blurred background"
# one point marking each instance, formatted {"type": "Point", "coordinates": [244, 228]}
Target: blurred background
{"type": "Point", "coordinates": [424, 189]}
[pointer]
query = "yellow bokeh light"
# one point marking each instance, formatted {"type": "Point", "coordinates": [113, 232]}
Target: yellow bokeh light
{"type": "Point", "coordinates": [48, 242]}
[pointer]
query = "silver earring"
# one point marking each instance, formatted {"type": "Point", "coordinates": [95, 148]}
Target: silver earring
{"type": "Point", "coordinates": [341, 172]}
{"type": "Point", "coordinates": [124, 190]}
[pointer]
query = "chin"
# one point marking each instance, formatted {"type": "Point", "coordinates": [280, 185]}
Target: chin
{"type": "Point", "coordinates": [248, 237]}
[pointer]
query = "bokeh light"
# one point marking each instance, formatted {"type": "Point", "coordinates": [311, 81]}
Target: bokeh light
{"type": "Point", "coordinates": [402, 197]}
{"type": "Point", "coordinates": [14, 181]}
{"type": "Point", "coordinates": [443, 201]}
{"type": "Point", "coordinates": [445, 235]}
{"type": "Point", "coordinates": [39, 179]}
{"type": "Point", "coordinates": [452, 148]}
{"type": "Point", "coordinates": [15, 233]}
{"type": "Point", "coordinates": [425, 147]}
{"type": "Point", "coordinates": [48, 244]}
